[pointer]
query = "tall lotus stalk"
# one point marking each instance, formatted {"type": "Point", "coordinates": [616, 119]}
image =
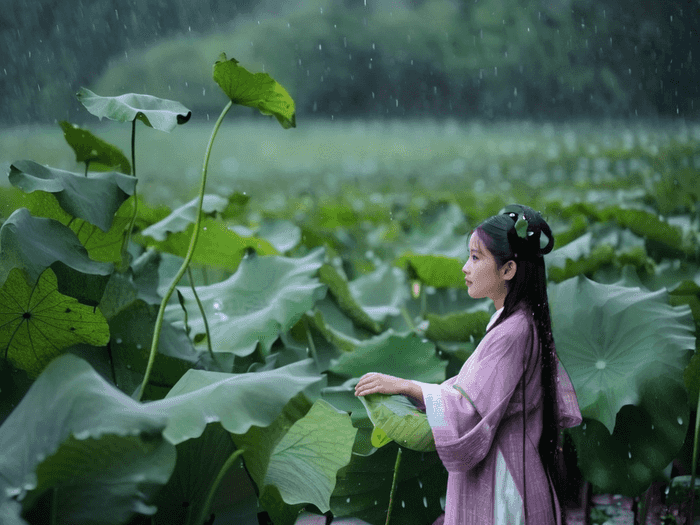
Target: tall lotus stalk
{"type": "Point", "coordinates": [257, 90]}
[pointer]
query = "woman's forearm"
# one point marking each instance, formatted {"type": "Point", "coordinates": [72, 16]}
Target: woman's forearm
{"type": "Point", "coordinates": [412, 389]}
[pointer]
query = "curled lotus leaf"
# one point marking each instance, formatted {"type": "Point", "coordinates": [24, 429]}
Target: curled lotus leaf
{"type": "Point", "coordinates": [93, 150]}
{"type": "Point", "coordinates": [158, 113]}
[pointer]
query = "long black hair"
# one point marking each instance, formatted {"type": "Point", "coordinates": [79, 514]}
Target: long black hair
{"type": "Point", "coordinates": [520, 234]}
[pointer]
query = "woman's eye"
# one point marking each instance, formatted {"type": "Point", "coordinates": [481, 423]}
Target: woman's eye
{"type": "Point", "coordinates": [474, 258]}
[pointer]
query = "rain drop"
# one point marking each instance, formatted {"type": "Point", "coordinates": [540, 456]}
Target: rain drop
{"type": "Point", "coordinates": [425, 502]}
{"type": "Point", "coordinates": [347, 500]}
{"type": "Point", "coordinates": [119, 340]}
{"type": "Point", "coordinates": [680, 420]}
{"type": "Point", "coordinates": [403, 504]}
{"type": "Point", "coordinates": [629, 454]}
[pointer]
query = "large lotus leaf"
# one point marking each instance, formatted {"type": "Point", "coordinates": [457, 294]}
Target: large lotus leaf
{"type": "Point", "coordinates": [94, 151]}
{"type": "Point", "coordinates": [363, 487]}
{"type": "Point", "coordinates": [157, 113]}
{"type": "Point", "coordinates": [100, 453]}
{"type": "Point", "coordinates": [400, 420]}
{"type": "Point", "coordinates": [434, 270]}
{"type": "Point", "coordinates": [180, 218]}
{"type": "Point", "coordinates": [95, 198]}
{"type": "Point", "coordinates": [298, 456]}
{"type": "Point", "coordinates": [458, 326]}
{"type": "Point", "coordinates": [406, 356]}
{"type": "Point", "coordinates": [304, 463]}
{"type": "Point", "coordinates": [339, 289]}
{"type": "Point", "coordinates": [283, 235]}
{"type": "Point", "coordinates": [258, 90]}
{"type": "Point", "coordinates": [202, 397]}
{"type": "Point", "coordinates": [199, 461]}
{"type": "Point", "coordinates": [34, 244]}
{"type": "Point", "coordinates": [610, 338]}
{"type": "Point", "coordinates": [217, 245]}
{"type": "Point", "coordinates": [647, 437]}
{"type": "Point", "coordinates": [266, 296]}
{"type": "Point", "coordinates": [37, 322]}
{"type": "Point", "coordinates": [441, 237]}
{"type": "Point", "coordinates": [101, 246]}
{"type": "Point", "coordinates": [382, 292]}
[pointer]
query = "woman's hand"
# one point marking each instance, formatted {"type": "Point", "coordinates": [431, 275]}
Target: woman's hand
{"type": "Point", "coordinates": [375, 383]}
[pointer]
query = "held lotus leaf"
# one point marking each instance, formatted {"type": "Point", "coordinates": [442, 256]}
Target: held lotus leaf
{"type": "Point", "coordinates": [400, 420]}
{"type": "Point", "coordinates": [157, 113]}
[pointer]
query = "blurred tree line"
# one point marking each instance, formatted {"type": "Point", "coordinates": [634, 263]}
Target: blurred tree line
{"type": "Point", "coordinates": [546, 59]}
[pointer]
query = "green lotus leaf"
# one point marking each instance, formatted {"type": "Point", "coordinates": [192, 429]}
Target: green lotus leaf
{"type": "Point", "coordinates": [95, 198]}
{"type": "Point", "coordinates": [180, 218]}
{"type": "Point", "coordinates": [304, 463]}
{"type": "Point", "coordinates": [406, 356]}
{"type": "Point", "coordinates": [100, 454]}
{"type": "Point", "coordinates": [283, 235]}
{"type": "Point", "coordinates": [441, 237]}
{"type": "Point", "coordinates": [157, 113]}
{"type": "Point", "coordinates": [33, 244]}
{"type": "Point", "coordinates": [610, 338]}
{"type": "Point", "coordinates": [93, 151]}
{"type": "Point", "coordinates": [458, 326]}
{"type": "Point", "coordinates": [400, 420]}
{"type": "Point", "coordinates": [258, 90]}
{"type": "Point", "coordinates": [37, 322]}
{"type": "Point", "coordinates": [647, 437]}
{"type": "Point", "coordinates": [217, 245]}
{"type": "Point", "coordinates": [201, 397]}
{"type": "Point", "coordinates": [339, 289]}
{"type": "Point", "coordinates": [307, 518]}
{"type": "Point", "coordinates": [266, 296]}
{"type": "Point", "coordinates": [381, 293]}
{"type": "Point", "coordinates": [434, 270]}
{"type": "Point", "coordinates": [299, 455]}
{"type": "Point", "coordinates": [363, 487]}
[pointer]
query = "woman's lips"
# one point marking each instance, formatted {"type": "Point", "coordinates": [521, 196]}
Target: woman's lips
{"type": "Point", "coordinates": [468, 283]}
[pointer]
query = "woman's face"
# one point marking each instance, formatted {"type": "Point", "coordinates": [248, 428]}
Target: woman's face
{"type": "Point", "coordinates": [482, 277]}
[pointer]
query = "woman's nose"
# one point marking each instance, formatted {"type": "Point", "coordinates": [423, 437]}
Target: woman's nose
{"type": "Point", "coordinates": [464, 268]}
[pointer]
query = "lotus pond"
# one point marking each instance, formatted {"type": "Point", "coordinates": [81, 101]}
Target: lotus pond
{"type": "Point", "coordinates": [149, 378]}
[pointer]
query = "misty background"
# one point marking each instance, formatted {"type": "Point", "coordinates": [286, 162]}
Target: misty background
{"type": "Point", "coordinates": [466, 59]}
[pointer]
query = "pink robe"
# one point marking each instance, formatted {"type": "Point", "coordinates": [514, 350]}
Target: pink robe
{"type": "Point", "coordinates": [477, 421]}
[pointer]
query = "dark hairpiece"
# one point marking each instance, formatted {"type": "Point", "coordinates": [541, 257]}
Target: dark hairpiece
{"type": "Point", "coordinates": [530, 235]}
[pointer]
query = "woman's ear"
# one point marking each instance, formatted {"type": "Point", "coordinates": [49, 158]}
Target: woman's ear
{"type": "Point", "coordinates": [508, 270]}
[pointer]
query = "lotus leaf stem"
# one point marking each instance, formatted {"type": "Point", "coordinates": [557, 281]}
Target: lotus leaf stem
{"type": "Point", "coordinates": [201, 310]}
{"type": "Point", "coordinates": [214, 486]}
{"type": "Point", "coordinates": [694, 464]}
{"type": "Point", "coordinates": [393, 485]}
{"type": "Point", "coordinates": [312, 346]}
{"type": "Point", "coordinates": [127, 237]}
{"type": "Point", "coordinates": [188, 256]}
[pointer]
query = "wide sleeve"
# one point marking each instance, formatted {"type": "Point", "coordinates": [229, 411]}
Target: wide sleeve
{"type": "Point", "coordinates": [464, 412]}
{"type": "Point", "coordinates": [569, 411]}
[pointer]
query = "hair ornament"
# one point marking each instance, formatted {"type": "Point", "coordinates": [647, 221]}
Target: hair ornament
{"type": "Point", "coordinates": [521, 225]}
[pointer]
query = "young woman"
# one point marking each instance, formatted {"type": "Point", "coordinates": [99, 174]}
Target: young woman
{"type": "Point", "coordinates": [496, 424]}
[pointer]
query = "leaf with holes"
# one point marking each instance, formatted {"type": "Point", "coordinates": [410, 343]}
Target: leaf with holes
{"type": "Point", "coordinates": [37, 323]}
{"type": "Point", "coordinates": [93, 151]}
{"type": "Point", "coordinates": [157, 113]}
